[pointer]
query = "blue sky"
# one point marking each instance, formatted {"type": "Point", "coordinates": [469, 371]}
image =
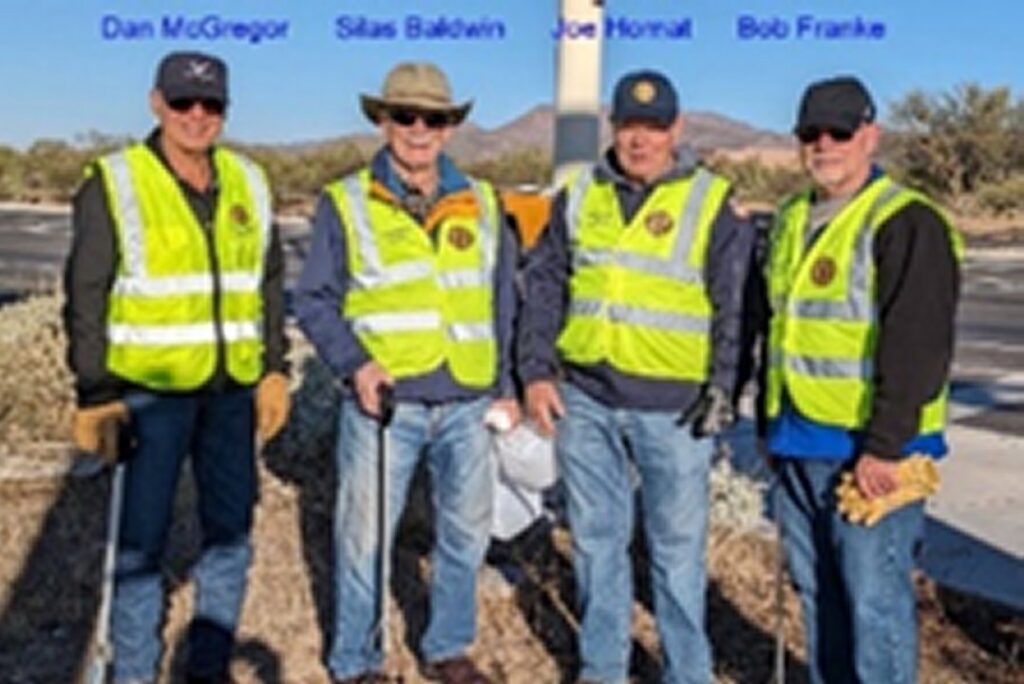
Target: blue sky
{"type": "Point", "coordinates": [62, 78]}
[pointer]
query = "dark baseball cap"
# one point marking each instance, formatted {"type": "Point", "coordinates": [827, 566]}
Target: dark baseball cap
{"type": "Point", "coordinates": [192, 75]}
{"type": "Point", "coordinates": [841, 102]}
{"type": "Point", "coordinates": [646, 95]}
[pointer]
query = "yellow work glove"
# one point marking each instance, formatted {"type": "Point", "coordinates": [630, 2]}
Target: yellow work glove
{"type": "Point", "coordinates": [272, 405]}
{"type": "Point", "coordinates": [95, 428]}
{"type": "Point", "coordinates": [918, 479]}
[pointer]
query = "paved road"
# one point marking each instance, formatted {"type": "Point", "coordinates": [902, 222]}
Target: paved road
{"type": "Point", "coordinates": [34, 242]}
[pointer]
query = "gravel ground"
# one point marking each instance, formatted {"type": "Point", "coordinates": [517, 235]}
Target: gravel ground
{"type": "Point", "coordinates": [52, 536]}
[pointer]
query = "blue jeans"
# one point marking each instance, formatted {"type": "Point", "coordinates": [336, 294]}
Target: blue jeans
{"type": "Point", "coordinates": [854, 582]}
{"type": "Point", "coordinates": [456, 445]}
{"type": "Point", "coordinates": [595, 444]}
{"type": "Point", "coordinates": [217, 430]}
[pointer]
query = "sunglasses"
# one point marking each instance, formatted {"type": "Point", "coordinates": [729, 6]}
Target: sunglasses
{"type": "Point", "coordinates": [185, 104]}
{"type": "Point", "coordinates": [812, 134]}
{"type": "Point", "coordinates": [407, 117]}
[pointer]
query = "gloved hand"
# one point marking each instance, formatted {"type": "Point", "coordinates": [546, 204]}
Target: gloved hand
{"type": "Point", "coordinates": [95, 429]}
{"type": "Point", "coordinates": [918, 478]}
{"type": "Point", "coordinates": [711, 414]}
{"type": "Point", "coordinates": [273, 402]}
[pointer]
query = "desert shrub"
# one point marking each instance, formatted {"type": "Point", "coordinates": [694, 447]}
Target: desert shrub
{"type": "Point", "coordinates": [531, 166]}
{"type": "Point", "coordinates": [756, 182]}
{"type": "Point", "coordinates": [1002, 197]}
{"type": "Point", "coordinates": [954, 143]}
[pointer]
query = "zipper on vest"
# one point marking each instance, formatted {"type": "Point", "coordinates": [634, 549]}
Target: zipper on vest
{"type": "Point", "coordinates": [218, 324]}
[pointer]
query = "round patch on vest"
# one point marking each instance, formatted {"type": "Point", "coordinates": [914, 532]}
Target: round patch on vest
{"type": "Point", "coordinates": [240, 216]}
{"type": "Point", "coordinates": [460, 237]}
{"type": "Point", "coordinates": [823, 271]}
{"type": "Point", "coordinates": [658, 223]}
{"type": "Point", "coordinates": [644, 92]}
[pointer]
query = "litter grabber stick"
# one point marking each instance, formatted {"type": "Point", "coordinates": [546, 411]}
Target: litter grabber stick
{"type": "Point", "coordinates": [780, 569]}
{"type": "Point", "coordinates": [101, 651]}
{"type": "Point", "coordinates": [386, 398]}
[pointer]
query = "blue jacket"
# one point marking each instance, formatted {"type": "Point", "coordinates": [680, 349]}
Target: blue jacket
{"type": "Point", "coordinates": [546, 284]}
{"type": "Point", "coordinates": [324, 281]}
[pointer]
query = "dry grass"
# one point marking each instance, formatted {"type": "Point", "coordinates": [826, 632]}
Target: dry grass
{"type": "Point", "coordinates": [35, 385]}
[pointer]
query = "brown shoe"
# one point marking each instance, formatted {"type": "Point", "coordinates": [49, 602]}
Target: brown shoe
{"type": "Point", "coordinates": [458, 670]}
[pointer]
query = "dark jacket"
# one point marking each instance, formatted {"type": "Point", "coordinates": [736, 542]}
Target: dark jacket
{"type": "Point", "coordinates": [325, 278]}
{"type": "Point", "coordinates": [918, 281]}
{"type": "Point", "coordinates": [548, 268]}
{"type": "Point", "coordinates": [89, 273]}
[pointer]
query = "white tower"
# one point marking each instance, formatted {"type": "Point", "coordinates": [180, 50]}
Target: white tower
{"type": "Point", "coordinates": [578, 86]}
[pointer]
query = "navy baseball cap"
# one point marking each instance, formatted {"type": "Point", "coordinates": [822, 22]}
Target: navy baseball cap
{"type": "Point", "coordinates": [192, 75]}
{"type": "Point", "coordinates": [842, 102]}
{"type": "Point", "coordinates": [646, 95]}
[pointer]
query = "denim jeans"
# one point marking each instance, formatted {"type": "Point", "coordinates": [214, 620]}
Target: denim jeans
{"type": "Point", "coordinates": [595, 444]}
{"type": "Point", "coordinates": [854, 582]}
{"type": "Point", "coordinates": [217, 430]}
{"type": "Point", "coordinates": [456, 445]}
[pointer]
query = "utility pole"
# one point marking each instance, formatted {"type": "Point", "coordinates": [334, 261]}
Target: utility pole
{"type": "Point", "coordinates": [578, 86]}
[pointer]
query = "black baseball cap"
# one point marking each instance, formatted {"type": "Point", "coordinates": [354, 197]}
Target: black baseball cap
{"type": "Point", "coordinates": [839, 103]}
{"type": "Point", "coordinates": [192, 75]}
{"type": "Point", "coordinates": [646, 95]}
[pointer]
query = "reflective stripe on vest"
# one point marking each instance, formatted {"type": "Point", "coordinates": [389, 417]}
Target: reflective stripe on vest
{"type": "Point", "coordinates": [168, 335]}
{"type": "Point", "coordinates": [632, 315]}
{"type": "Point", "coordinates": [161, 325]}
{"type": "Point", "coordinates": [824, 325]}
{"type": "Point", "coordinates": [423, 309]}
{"type": "Point", "coordinates": [637, 294]}
{"type": "Point", "coordinates": [677, 265]}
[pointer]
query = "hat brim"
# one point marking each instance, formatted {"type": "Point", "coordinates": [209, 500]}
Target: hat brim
{"type": "Point", "coordinates": [176, 92]}
{"type": "Point", "coordinates": [375, 107]}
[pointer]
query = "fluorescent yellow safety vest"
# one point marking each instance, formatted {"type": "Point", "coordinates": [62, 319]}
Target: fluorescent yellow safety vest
{"type": "Point", "coordinates": [169, 307]}
{"type": "Point", "coordinates": [824, 324]}
{"type": "Point", "coordinates": [638, 299]}
{"type": "Point", "coordinates": [414, 305]}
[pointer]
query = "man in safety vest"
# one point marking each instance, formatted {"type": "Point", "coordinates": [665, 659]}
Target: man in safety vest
{"type": "Point", "coordinates": [174, 314]}
{"type": "Point", "coordinates": [863, 280]}
{"type": "Point", "coordinates": [409, 285]}
{"type": "Point", "coordinates": [633, 298]}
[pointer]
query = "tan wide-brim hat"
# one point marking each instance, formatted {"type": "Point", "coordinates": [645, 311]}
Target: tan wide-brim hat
{"type": "Point", "coordinates": [419, 85]}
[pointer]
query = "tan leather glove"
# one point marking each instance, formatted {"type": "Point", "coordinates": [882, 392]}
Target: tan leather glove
{"type": "Point", "coordinates": [95, 428]}
{"type": "Point", "coordinates": [918, 479]}
{"type": "Point", "coordinates": [273, 402]}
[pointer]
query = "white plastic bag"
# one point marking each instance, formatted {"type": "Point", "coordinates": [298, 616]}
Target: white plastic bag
{"type": "Point", "coordinates": [526, 458]}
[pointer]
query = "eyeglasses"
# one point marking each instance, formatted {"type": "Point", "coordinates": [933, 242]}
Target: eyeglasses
{"type": "Point", "coordinates": [407, 117]}
{"type": "Point", "coordinates": [812, 134]}
{"type": "Point", "coordinates": [185, 104]}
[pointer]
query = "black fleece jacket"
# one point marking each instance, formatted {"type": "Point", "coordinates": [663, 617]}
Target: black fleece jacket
{"type": "Point", "coordinates": [917, 277]}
